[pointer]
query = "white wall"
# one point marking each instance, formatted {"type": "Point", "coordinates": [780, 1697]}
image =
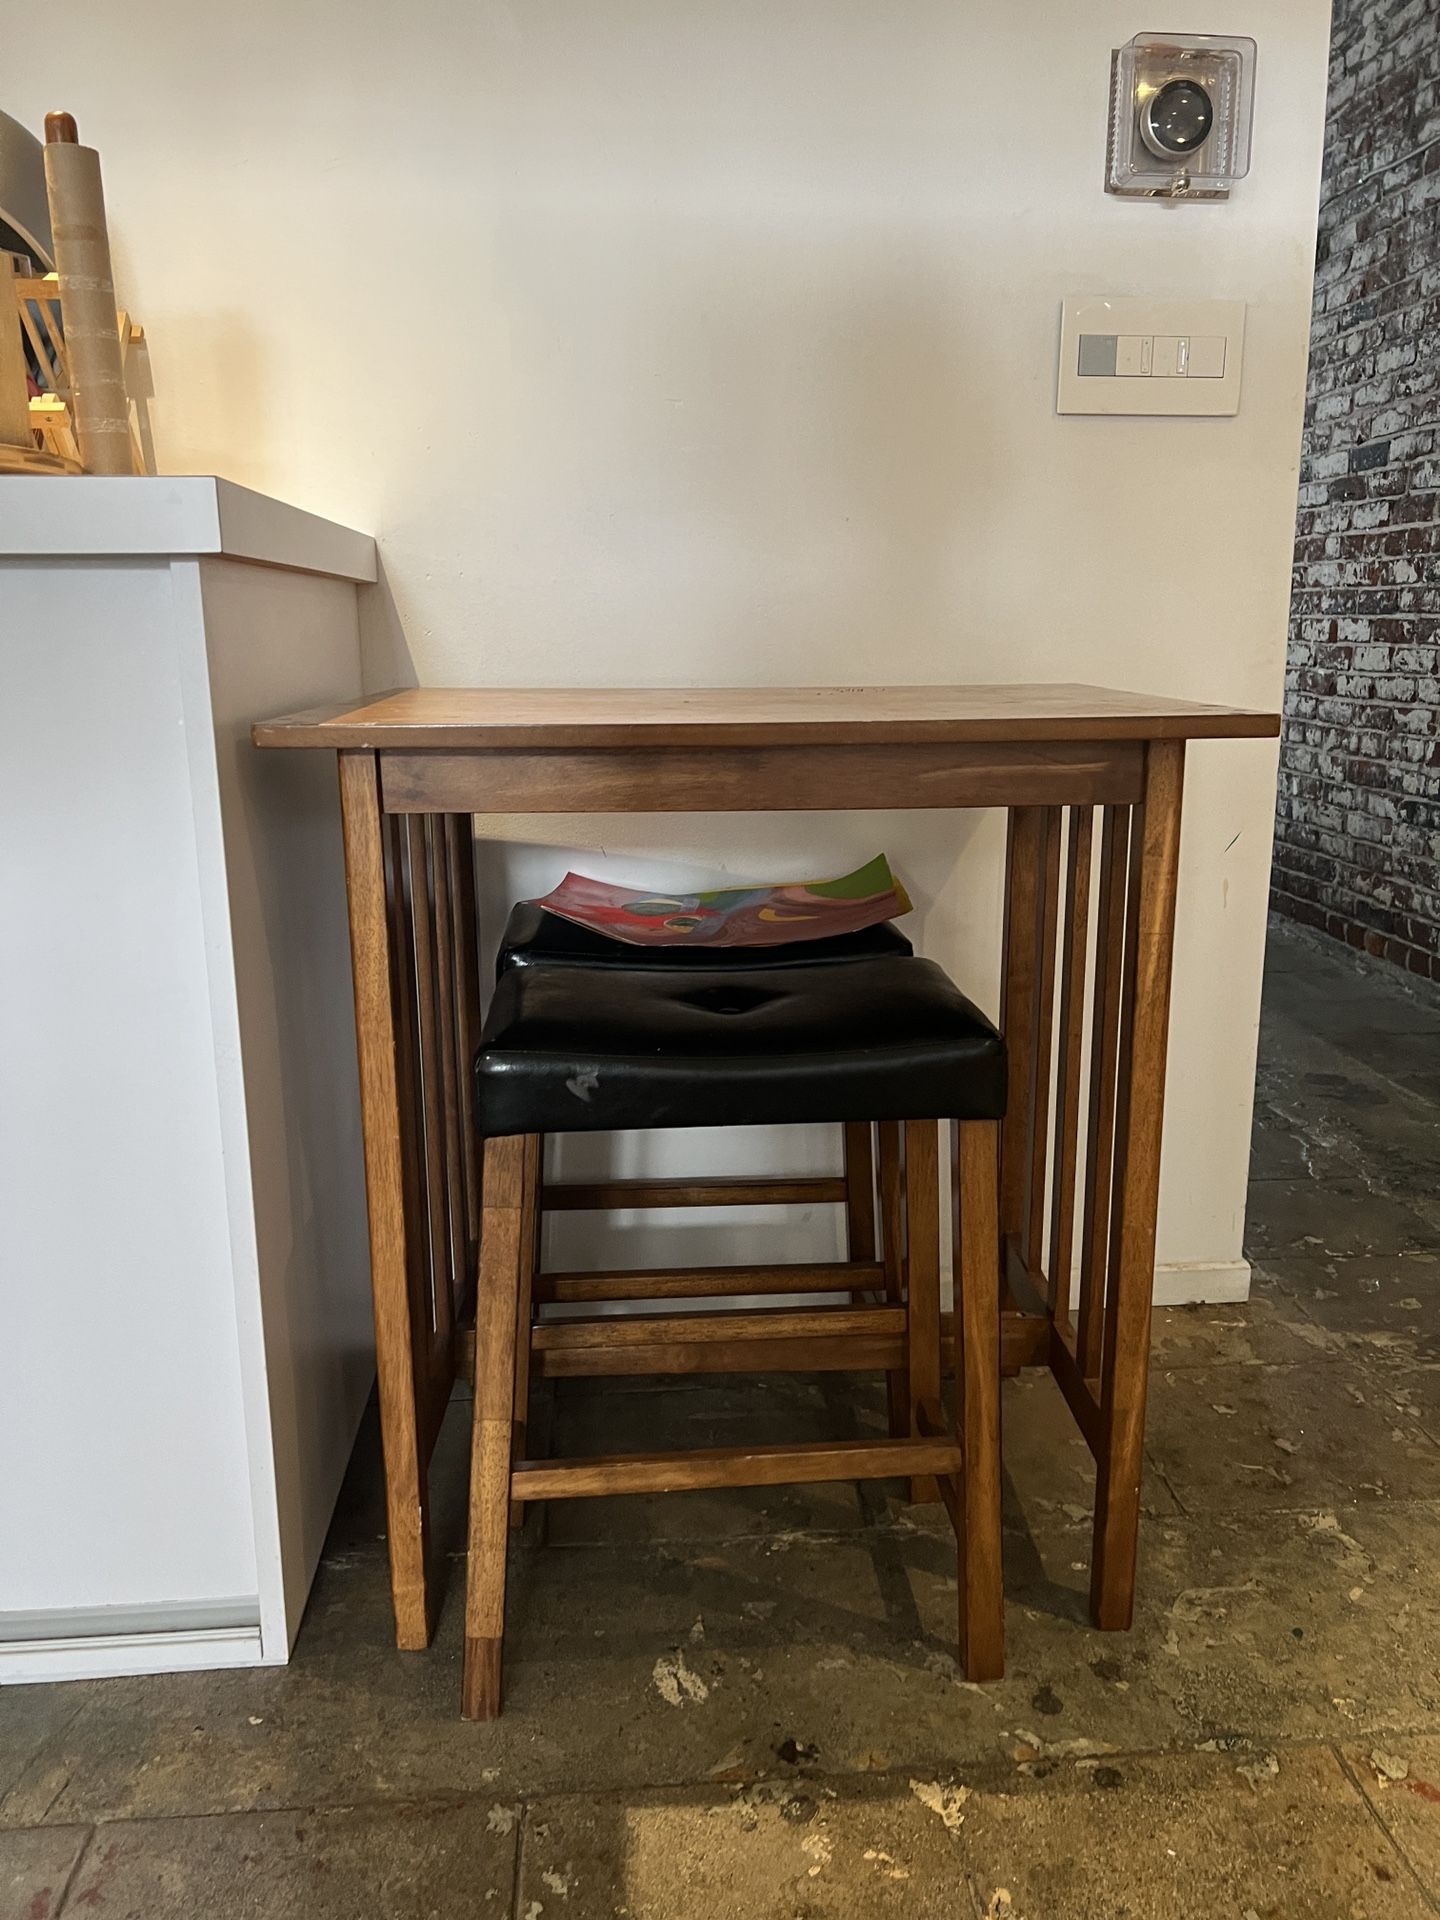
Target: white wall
{"type": "Point", "coordinates": [704, 343]}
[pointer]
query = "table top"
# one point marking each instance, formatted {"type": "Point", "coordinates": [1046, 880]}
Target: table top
{"type": "Point", "coordinates": [483, 718]}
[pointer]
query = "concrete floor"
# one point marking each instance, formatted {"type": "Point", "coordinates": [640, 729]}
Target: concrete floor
{"type": "Point", "coordinates": [747, 1705]}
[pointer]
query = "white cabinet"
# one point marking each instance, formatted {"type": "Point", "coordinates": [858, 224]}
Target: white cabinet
{"type": "Point", "coordinates": [185, 1341]}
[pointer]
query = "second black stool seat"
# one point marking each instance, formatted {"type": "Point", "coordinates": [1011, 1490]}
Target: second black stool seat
{"type": "Point", "coordinates": [582, 1049]}
{"type": "Point", "coordinates": [535, 937]}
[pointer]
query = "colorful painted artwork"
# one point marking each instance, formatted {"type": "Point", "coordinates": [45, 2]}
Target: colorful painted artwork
{"type": "Point", "coordinates": [759, 916]}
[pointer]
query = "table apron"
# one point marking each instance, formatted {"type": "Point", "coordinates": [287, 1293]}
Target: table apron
{"type": "Point", "coordinates": [762, 779]}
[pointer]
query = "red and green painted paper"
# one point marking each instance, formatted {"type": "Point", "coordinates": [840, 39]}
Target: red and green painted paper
{"type": "Point", "coordinates": [757, 916]}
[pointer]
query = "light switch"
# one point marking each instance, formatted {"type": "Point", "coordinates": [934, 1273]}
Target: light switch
{"type": "Point", "coordinates": [1133, 352]}
{"type": "Point", "coordinates": [1151, 356]}
{"type": "Point", "coordinates": [1207, 356]}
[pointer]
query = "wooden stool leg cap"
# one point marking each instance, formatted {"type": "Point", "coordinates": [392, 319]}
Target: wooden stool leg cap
{"type": "Point", "coordinates": [979, 1668]}
{"type": "Point", "coordinates": [481, 1688]}
{"type": "Point", "coordinates": [1112, 1612]}
{"type": "Point", "coordinates": [414, 1618]}
{"type": "Point", "coordinates": [982, 1646]}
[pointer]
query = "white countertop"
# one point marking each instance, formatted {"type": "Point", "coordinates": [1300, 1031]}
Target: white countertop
{"type": "Point", "coordinates": [86, 516]}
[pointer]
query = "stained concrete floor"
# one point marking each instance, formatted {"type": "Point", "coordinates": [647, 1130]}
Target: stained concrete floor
{"type": "Point", "coordinates": [748, 1705]}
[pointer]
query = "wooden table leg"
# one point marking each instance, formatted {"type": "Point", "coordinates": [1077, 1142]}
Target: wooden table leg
{"type": "Point", "coordinates": [406, 1496]}
{"type": "Point", "coordinates": [1141, 1100]}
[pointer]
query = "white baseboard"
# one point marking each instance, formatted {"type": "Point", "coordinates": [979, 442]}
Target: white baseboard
{"type": "Point", "coordinates": [1218, 1282]}
{"type": "Point", "coordinates": [104, 1656]}
{"type": "Point", "coordinates": [97, 1643]}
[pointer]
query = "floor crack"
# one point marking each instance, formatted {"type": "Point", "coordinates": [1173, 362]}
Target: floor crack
{"type": "Point", "coordinates": [517, 1885]}
{"type": "Point", "coordinates": [1375, 1814]}
{"type": "Point", "coordinates": [74, 1873]}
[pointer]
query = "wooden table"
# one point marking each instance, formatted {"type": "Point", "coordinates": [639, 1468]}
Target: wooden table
{"type": "Point", "coordinates": [1092, 780]}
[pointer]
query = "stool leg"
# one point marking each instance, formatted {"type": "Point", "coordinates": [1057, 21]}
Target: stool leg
{"type": "Point", "coordinates": [976, 1228]}
{"type": "Point", "coordinates": [892, 1241]}
{"type": "Point", "coordinates": [525, 1305]}
{"type": "Point", "coordinates": [922, 1281]}
{"type": "Point", "coordinates": [496, 1302]}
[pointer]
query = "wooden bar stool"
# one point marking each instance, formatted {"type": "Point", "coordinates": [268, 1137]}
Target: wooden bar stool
{"type": "Point", "coordinates": [596, 1049]}
{"type": "Point", "coordinates": [534, 937]}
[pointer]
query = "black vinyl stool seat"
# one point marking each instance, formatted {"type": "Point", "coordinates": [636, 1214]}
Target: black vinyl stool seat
{"type": "Point", "coordinates": [576, 1049]}
{"type": "Point", "coordinates": [885, 1039]}
{"type": "Point", "coordinates": [534, 937]}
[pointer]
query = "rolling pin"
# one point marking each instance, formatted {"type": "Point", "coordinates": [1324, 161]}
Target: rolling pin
{"type": "Point", "coordinates": [99, 405]}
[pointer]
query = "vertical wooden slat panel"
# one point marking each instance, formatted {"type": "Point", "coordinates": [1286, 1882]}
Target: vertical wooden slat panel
{"type": "Point", "coordinates": [892, 1246]}
{"type": "Point", "coordinates": [922, 1278]}
{"type": "Point", "coordinates": [457, 1231]}
{"type": "Point", "coordinates": [432, 1101]}
{"type": "Point", "coordinates": [976, 1261]}
{"type": "Point", "coordinates": [1017, 1007]}
{"type": "Point", "coordinates": [1140, 1111]}
{"type": "Point", "coordinates": [467, 962]}
{"type": "Point", "coordinates": [369, 879]}
{"type": "Point", "coordinates": [1124, 1051]}
{"type": "Point", "coordinates": [1072, 1040]}
{"type": "Point", "coordinates": [412, 1124]}
{"type": "Point", "coordinates": [1104, 1054]}
{"type": "Point", "coordinates": [859, 1190]}
{"type": "Point", "coordinates": [419, 960]}
{"type": "Point", "coordinates": [1046, 938]}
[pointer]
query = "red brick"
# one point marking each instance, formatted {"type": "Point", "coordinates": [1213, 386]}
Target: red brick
{"type": "Point", "coordinates": [1357, 848]}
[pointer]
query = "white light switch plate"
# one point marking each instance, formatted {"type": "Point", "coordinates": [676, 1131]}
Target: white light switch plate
{"type": "Point", "coordinates": [1151, 356]}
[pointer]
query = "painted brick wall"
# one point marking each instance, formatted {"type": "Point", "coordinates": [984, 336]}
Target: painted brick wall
{"type": "Point", "coordinates": [1357, 849]}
